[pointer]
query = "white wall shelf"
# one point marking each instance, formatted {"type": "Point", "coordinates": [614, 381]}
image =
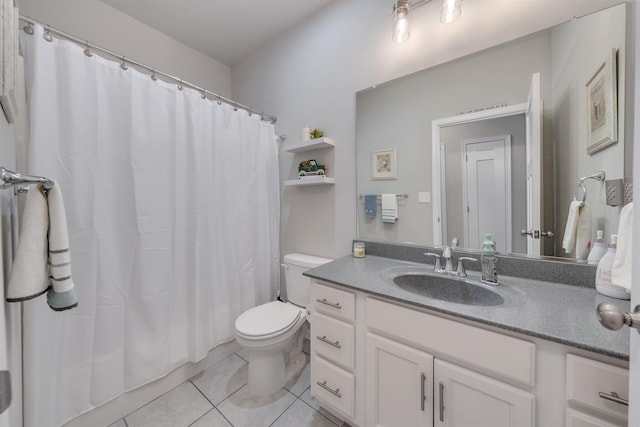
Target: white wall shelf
{"type": "Point", "coordinates": [311, 180]}
{"type": "Point", "coordinates": [314, 144]}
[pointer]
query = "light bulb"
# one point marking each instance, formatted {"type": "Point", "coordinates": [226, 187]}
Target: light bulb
{"type": "Point", "coordinates": [400, 29]}
{"type": "Point", "coordinates": [451, 10]}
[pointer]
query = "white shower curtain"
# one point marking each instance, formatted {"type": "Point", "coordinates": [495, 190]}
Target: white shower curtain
{"type": "Point", "coordinates": [173, 210]}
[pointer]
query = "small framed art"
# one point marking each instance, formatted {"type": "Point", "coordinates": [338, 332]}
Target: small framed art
{"type": "Point", "coordinates": [602, 105]}
{"type": "Point", "coordinates": [384, 164]}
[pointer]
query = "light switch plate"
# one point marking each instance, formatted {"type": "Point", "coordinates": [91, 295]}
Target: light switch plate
{"type": "Point", "coordinates": [424, 197]}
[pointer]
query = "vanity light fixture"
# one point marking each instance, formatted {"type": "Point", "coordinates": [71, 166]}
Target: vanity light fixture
{"type": "Point", "coordinates": [400, 28]}
{"type": "Point", "coordinates": [451, 10]}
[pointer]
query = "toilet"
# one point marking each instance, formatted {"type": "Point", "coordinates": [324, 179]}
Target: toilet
{"type": "Point", "coordinates": [274, 332]}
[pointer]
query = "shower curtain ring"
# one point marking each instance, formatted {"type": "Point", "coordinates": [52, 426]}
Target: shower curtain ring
{"type": "Point", "coordinates": [219, 101]}
{"type": "Point", "coordinates": [204, 94]}
{"type": "Point", "coordinates": [153, 75]}
{"type": "Point", "coordinates": [28, 28]}
{"type": "Point", "coordinates": [124, 65]}
{"type": "Point", "coordinates": [87, 50]}
{"type": "Point", "coordinates": [47, 36]}
{"type": "Point", "coordinates": [180, 87]}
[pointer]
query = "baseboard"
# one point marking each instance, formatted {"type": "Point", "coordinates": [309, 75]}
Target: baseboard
{"type": "Point", "coordinates": [125, 404]}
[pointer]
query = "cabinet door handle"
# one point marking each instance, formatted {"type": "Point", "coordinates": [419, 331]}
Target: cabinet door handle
{"type": "Point", "coordinates": [423, 379]}
{"type": "Point", "coordinates": [441, 389]}
{"type": "Point", "coordinates": [335, 392]}
{"type": "Point", "coordinates": [330, 304]}
{"type": "Point", "coordinates": [613, 397]}
{"type": "Point", "coordinates": [325, 340]}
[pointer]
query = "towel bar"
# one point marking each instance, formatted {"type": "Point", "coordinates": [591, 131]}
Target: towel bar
{"type": "Point", "coordinates": [10, 179]}
{"type": "Point", "coordinates": [399, 196]}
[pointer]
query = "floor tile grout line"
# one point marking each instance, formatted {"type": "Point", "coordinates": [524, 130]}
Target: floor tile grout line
{"type": "Point", "coordinates": [213, 404]}
{"type": "Point", "coordinates": [309, 405]}
{"type": "Point", "coordinates": [201, 416]}
{"type": "Point", "coordinates": [286, 409]}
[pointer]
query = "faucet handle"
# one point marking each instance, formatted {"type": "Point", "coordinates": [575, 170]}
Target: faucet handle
{"type": "Point", "coordinates": [437, 266]}
{"type": "Point", "coordinates": [461, 272]}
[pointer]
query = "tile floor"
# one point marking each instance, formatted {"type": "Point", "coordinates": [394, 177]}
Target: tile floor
{"type": "Point", "coordinates": [218, 397]}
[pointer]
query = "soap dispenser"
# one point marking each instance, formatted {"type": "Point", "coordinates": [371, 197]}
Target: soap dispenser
{"type": "Point", "coordinates": [488, 261]}
{"type": "Point", "coordinates": [599, 247]}
{"type": "Point", "coordinates": [603, 273]}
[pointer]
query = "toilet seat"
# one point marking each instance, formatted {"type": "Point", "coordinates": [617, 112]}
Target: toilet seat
{"type": "Point", "coordinates": [268, 320]}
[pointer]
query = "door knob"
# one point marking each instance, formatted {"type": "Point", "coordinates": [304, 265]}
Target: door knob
{"type": "Point", "coordinates": [548, 234]}
{"type": "Point", "coordinates": [611, 317]}
{"type": "Point", "coordinates": [526, 233]}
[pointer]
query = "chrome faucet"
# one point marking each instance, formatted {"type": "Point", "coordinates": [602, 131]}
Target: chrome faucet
{"type": "Point", "coordinates": [447, 252]}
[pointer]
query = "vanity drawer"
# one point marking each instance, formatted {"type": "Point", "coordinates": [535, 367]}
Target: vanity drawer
{"type": "Point", "coordinates": [499, 354]}
{"type": "Point", "coordinates": [587, 378]}
{"type": "Point", "coordinates": [333, 339]}
{"type": "Point", "coordinates": [334, 302]}
{"type": "Point", "coordinates": [333, 385]}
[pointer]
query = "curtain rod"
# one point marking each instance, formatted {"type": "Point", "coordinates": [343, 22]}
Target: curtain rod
{"type": "Point", "coordinates": [154, 72]}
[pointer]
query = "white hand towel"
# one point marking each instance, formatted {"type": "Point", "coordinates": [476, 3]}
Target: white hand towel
{"type": "Point", "coordinates": [42, 262]}
{"type": "Point", "coordinates": [61, 295]}
{"type": "Point", "coordinates": [389, 208]}
{"type": "Point", "coordinates": [621, 270]}
{"type": "Point", "coordinates": [30, 275]}
{"type": "Point", "coordinates": [583, 232]}
{"type": "Point", "coordinates": [569, 240]}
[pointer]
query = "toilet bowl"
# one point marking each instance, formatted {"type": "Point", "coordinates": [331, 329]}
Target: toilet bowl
{"type": "Point", "coordinates": [273, 333]}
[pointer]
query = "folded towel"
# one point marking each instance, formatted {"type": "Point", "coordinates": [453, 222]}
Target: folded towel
{"type": "Point", "coordinates": [30, 275]}
{"type": "Point", "coordinates": [583, 232]}
{"type": "Point", "coordinates": [35, 273]}
{"type": "Point", "coordinates": [621, 270]}
{"type": "Point", "coordinates": [370, 205]}
{"type": "Point", "coordinates": [569, 240]}
{"type": "Point", "coordinates": [61, 295]}
{"type": "Point", "coordinates": [389, 208]}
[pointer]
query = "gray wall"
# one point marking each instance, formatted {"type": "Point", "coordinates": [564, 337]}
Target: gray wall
{"type": "Point", "coordinates": [109, 28]}
{"type": "Point", "coordinates": [399, 115]}
{"type": "Point", "coordinates": [579, 48]}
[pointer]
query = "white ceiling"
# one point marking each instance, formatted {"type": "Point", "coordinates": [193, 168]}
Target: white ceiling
{"type": "Point", "coordinates": [226, 30]}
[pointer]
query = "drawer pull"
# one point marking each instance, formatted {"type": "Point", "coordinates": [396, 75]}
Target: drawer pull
{"type": "Point", "coordinates": [330, 304]}
{"type": "Point", "coordinates": [423, 378]}
{"type": "Point", "coordinates": [441, 402]}
{"type": "Point", "coordinates": [335, 392]}
{"type": "Point", "coordinates": [613, 397]}
{"type": "Point", "coordinates": [325, 340]}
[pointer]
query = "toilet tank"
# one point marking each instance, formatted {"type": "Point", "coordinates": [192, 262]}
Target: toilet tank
{"type": "Point", "coordinates": [298, 286]}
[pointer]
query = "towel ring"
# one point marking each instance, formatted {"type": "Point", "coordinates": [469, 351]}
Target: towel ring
{"type": "Point", "coordinates": [598, 176]}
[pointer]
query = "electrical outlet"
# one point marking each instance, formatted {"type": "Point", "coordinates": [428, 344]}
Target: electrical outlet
{"type": "Point", "coordinates": [424, 197]}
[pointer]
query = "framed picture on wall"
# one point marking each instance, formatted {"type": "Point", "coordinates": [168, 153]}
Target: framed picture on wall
{"type": "Point", "coordinates": [602, 105]}
{"type": "Point", "coordinates": [384, 164]}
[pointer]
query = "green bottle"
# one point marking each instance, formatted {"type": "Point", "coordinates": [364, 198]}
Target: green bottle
{"type": "Point", "coordinates": [488, 246]}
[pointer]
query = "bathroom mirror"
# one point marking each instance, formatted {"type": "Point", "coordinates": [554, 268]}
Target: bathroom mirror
{"type": "Point", "coordinates": [476, 102]}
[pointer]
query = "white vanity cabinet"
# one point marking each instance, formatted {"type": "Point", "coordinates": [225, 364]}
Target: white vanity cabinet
{"type": "Point", "coordinates": [401, 365]}
{"type": "Point", "coordinates": [399, 384]}
{"type": "Point", "coordinates": [598, 391]}
{"type": "Point", "coordinates": [465, 398]}
{"type": "Point", "coordinates": [332, 339]}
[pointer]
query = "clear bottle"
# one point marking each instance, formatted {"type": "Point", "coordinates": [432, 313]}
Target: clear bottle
{"type": "Point", "coordinates": [599, 247]}
{"type": "Point", "coordinates": [603, 273]}
{"type": "Point", "coordinates": [488, 261]}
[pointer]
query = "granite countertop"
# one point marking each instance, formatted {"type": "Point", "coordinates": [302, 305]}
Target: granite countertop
{"type": "Point", "coordinates": [556, 312]}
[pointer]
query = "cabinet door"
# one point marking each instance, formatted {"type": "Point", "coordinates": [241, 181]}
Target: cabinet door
{"type": "Point", "coordinates": [464, 398]}
{"type": "Point", "coordinates": [399, 384]}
